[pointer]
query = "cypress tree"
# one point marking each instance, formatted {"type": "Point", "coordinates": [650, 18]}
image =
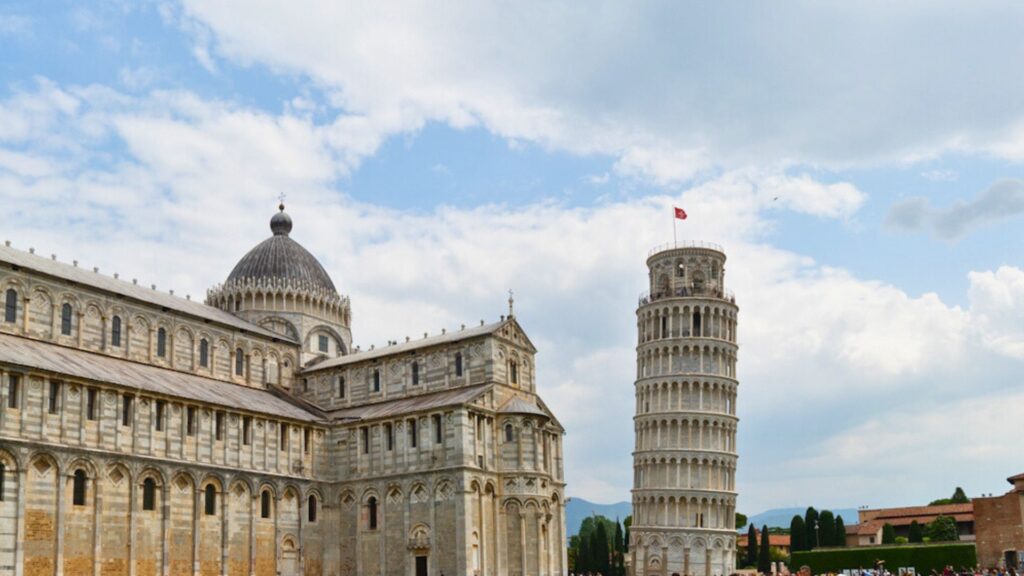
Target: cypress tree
{"type": "Point", "coordinates": [764, 557]}
{"type": "Point", "coordinates": [583, 559]}
{"type": "Point", "coordinates": [840, 532]}
{"type": "Point", "coordinates": [888, 534]}
{"type": "Point", "coordinates": [625, 538]}
{"type": "Point", "coordinates": [599, 550]}
{"type": "Point", "coordinates": [827, 528]}
{"type": "Point", "coordinates": [811, 528]}
{"type": "Point", "coordinates": [959, 497]}
{"type": "Point", "coordinates": [751, 559]}
{"type": "Point", "coordinates": [797, 534]}
{"type": "Point", "coordinates": [618, 564]}
{"type": "Point", "coordinates": [916, 533]}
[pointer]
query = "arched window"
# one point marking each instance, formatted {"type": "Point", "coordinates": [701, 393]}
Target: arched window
{"type": "Point", "coordinates": [3, 476]}
{"type": "Point", "coordinates": [65, 319]}
{"type": "Point", "coordinates": [265, 504]}
{"type": "Point", "coordinates": [311, 516]}
{"type": "Point", "coordinates": [371, 513]}
{"type": "Point", "coordinates": [239, 362]}
{"type": "Point", "coordinates": [210, 500]}
{"type": "Point", "coordinates": [376, 380]}
{"type": "Point", "coordinates": [11, 306]}
{"type": "Point", "coordinates": [204, 353]}
{"type": "Point", "coordinates": [458, 364]}
{"type": "Point", "coordinates": [78, 491]}
{"type": "Point", "coordinates": [508, 433]}
{"type": "Point", "coordinates": [115, 331]}
{"type": "Point", "coordinates": [161, 342]}
{"type": "Point", "coordinates": [415, 373]}
{"type": "Point", "coordinates": [341, 386]}
{"type": "Point", "coordinates": [148, 494]}
{"type": "Point", "coordinates": [514, 371]}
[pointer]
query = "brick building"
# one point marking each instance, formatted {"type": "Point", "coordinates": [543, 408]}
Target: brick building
{"type": "Point", "coordinates": [145, 434]}
{"type": "Point", "coordinates": [868, 530]}
{"type": "Point", "coordinates": [999, 526]}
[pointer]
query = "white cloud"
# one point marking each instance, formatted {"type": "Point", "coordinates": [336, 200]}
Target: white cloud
{"type": "Point", "coordinates": [196, 185]}
{"type": "Point", "coordinates": [658, 87]}
{"type": "Point", "coordinates": [1002, 200]}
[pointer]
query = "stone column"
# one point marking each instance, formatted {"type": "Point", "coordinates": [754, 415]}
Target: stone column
{"type": "Point", "coordinates": [253, 515]}
{"type": "Point", "coordinates": [707, 561]}
{"type": "Point", "coordinates": [78, 328]}
{"type": "Point", "coordinates": [195, 528]}
{"type": "Point", "coordinates": [19, 535]}
{"type": "Point", "coordinates": [132, 509]}
{"type": "Point", "coordinates": [26, 313]}
{"type": "Point", "coordinates": [165, 527]}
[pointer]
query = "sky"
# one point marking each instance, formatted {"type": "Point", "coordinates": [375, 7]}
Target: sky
{"type": "Point", "coordinates": [861, 163]}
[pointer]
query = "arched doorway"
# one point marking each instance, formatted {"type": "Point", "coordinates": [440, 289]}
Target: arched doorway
{"type": "Point", "coordinates": [289, 562]}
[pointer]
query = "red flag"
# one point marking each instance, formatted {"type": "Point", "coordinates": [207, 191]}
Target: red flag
{"type": "Point", "coordinates": [680, 213]}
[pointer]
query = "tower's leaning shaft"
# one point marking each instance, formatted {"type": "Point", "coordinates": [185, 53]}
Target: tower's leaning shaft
{"type": "Point", "coordinates": [684, 459]}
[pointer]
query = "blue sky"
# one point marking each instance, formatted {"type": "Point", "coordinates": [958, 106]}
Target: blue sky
{"type": "Point", "coordinates": [860, 163]}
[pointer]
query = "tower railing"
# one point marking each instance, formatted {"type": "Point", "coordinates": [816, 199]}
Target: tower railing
{"type": "Point", "coordinates": [647, 296]}
{"type": "Point", "coordinates": [685, 244]}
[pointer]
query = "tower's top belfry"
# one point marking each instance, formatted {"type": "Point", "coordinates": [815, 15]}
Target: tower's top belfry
{"type": "Point", "coordinates": [687, 269]}
{"type": "Point", "coordinates": [684, 492]}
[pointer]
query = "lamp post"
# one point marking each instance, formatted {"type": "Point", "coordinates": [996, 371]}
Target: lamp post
{"type": "Point", "coordinates": [817, 534]}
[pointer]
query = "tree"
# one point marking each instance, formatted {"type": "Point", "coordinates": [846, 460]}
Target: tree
{"type": "Point", "coordinates": [840, 532]}
{"type": "Point", "coordinates": [888, 534]}
{"type": "Point", "coordinates": [959, 497]}
{"type": "Point", "coordinates": [942, 529]}
{"type": "Point", "coordinates": [584, 559]}
{"type": "Point", "coordinates": [599, 549]}
{"type": "Point", "coordinates": [811, 528]}
{"type": "Point", "coordinates": [625, 539]}
{"type": "Point", "coordinates": [797, 534]}
{"type": "Point", "coordinates": [916, 533]}
{"type": "Point", "coordinates": [618, 563]}
{"type": "Point", "coordinates": [827, 528]}
{"type": "Point", "coordinates": [741, 520]}
{"type": "Point", "coordinates": [751, 559]}
{"type": "Point", "coordinates": [764, 557]}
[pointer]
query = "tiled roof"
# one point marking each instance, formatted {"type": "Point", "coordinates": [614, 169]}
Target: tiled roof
{"type": "Point", "coordinates": [890, 514]}
{"type": "Point", "coordinates": [385, 351]}
{"type": "Point", "coordinates": [517, 405]}
{"type": "Point", "coordinates": [131, 290]}
{"type": "Point", "coordinates": [873, 526]}
{"type": "Point", "coordinates": [409, 405]}
{"type": "Point", "coordinates": [95, 367]}
{"type": "Point", "coordinates": [779, 540]}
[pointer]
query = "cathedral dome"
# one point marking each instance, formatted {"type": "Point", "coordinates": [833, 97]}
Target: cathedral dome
{"type": "Point", "coordinates": [279, 260]}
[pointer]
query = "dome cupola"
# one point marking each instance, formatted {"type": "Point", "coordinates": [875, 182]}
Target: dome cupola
{"type": "Point", "coordinates": [281, 286]}
{"type": "Point", "coordinates": [282, 261]}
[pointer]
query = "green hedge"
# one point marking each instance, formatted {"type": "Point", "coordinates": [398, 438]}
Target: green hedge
{"type": "Point", "coordinates": [923, 557]}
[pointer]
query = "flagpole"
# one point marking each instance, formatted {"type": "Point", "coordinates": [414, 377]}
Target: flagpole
{"type": "Point", "coordinates": [674, 241]}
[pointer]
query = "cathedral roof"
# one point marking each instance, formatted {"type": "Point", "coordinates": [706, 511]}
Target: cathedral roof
{"type": "Point", "coordinates": [281, 260]}
{"type": "Point", "coordinates": [96, 367]}
{"type": "Point", "coordinates": [93, 279]}
{"type": "Point", "coordinates": [412, 345]}
{"type": "Point", "coordinates": [517, 405]}
{"type": "Point", "coordinates": [430, 401]}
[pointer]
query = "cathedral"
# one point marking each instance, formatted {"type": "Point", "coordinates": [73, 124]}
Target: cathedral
{"type": "Point", "coordinates": [146, 434]}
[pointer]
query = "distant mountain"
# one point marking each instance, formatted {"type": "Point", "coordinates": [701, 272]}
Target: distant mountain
{"type": "Point", "coordinates": [577, 509]}
{"type": "Point", "coordinates": [781, 517]}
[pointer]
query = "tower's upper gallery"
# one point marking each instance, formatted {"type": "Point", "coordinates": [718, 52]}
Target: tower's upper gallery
{"type": "Point", "coordinates": [283, 261]}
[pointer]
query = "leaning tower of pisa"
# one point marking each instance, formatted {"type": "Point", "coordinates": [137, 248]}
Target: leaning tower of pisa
{"type": "Point", "coordinates": [684, 463]}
